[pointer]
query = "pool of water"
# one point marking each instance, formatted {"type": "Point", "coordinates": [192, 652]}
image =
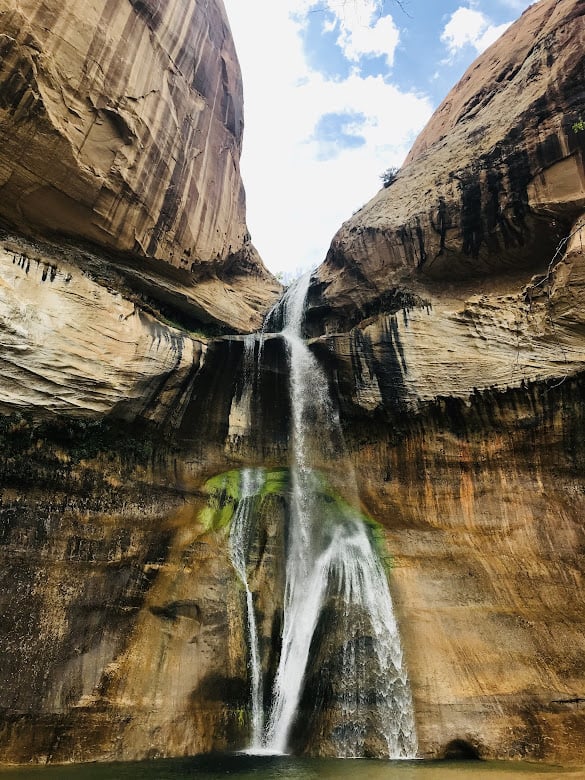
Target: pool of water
{"type": "Point", "coordinates": [244, 767]}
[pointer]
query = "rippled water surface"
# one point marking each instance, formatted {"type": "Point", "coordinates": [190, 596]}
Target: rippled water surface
{"type": "Point", "coordinates": [243, 767]}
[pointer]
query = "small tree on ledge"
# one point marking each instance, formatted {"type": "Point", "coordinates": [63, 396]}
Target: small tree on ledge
{"type": "Point", "coordinates": [389, 176]}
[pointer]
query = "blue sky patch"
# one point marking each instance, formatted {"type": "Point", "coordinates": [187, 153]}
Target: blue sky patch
{"type": "Point", "coordinates": [322, 52]}
{"type": "Point", "coordinates": [336, 132]}
{"type": "Point", "coordinates": [371, 65]}
{"type": "Point", "coordinates": [421, 61]}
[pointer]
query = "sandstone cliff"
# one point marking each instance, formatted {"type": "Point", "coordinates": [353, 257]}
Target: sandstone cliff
{"type": "Point", "coordinates": [491, 186]}
{"type": "Point", "coordinates": [453, 335]}
{"type": "Point", "coordinates": [123, 248]}
{"type": "Point", "coordinates": [491, 195]}
{"type": "Point", "coordinates": [448, 311]}
{"type": "Point", "coordinates": [121, 123]}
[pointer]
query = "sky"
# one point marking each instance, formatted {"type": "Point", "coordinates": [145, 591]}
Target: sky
{"type": "Point", "coordinates": [335, 92]}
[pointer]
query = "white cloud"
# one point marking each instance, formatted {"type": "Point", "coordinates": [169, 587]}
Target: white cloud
{"type": "Point", "coordinates": [490, 35]}
{"type": "Point", "coordinates": [364, 32]}
{"type": "Point", "coordinates": [364, 29]}
{"type": "Point", "coordinates": [470, 27]}
{"type": "Point", "coordinates": [297, 201]}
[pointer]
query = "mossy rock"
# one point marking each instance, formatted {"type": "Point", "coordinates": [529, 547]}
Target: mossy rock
{"type": "Point", "coordinates": [223, 492]}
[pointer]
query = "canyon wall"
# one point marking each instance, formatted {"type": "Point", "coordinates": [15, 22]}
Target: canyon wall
{"type": "Point", "coordinates": [447, 314]}
{"type": "Point", "coordinates": [448, 311]}
{"type": "Point", "coordinates": [493, 183]}
{"type": "Point", "coordinates": [121, 124]}
{"type": "Point", "coordinates": [123, 249]}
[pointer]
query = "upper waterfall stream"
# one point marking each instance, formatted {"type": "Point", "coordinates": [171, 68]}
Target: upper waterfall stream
{"type": "Point", "coordinates": [331, 567]}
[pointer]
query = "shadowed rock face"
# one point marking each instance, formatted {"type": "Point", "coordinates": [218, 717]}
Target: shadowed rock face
{"type": "Point", "coordinates": [123, 631]}
{"type": "Point", "coordinates": [121, 123]}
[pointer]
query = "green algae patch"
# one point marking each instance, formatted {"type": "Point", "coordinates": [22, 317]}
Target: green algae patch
{"type": "Point", "coordinates": [337, 509]}
{"type": "Point", "coordinates": [224, 490]}
{"type": "Point", "coordinates": [276, 482]}
{"type": "Point", "coordinates": [378, 541]}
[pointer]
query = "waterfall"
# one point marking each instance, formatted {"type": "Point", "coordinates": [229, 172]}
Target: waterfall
{"type": "Point", "coordinates": [241, 536]}
{"type": "Point", "coordinates": [332, 562]}
{"type": "Point", "coordinates": [331, 568]}
{"type": "Point", "coordinates": [241, 409]}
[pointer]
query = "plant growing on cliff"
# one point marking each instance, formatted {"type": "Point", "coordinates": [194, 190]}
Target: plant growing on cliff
{"type": "Point", "coordinates": [390, 175]}
{"type": "Point", "coordinates": [579, 126]}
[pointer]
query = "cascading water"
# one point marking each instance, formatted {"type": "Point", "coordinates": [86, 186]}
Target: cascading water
{"type": "Point", "coordinates": [241, 536]}
{"type": "Point", "coordinates": [241, 409]}
{"type": "Point", "coordinates": [337, 562]}
{"type": "Point", "coordinates": [330, 563]}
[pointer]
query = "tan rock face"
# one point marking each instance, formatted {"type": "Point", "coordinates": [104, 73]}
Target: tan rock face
{"type": "Point", "coordinates": [449, 313]}
{"type": "Point", "coordinates": [483, 504]}
{"type": "Point", "coordinates": [520, 331]}
{"type": "Point", "coordinates": [119, 599]}
{"type": "Point", "coordinates": [490, 187]}
{"type": "Point", "coordinates": [136, 100]}
{"type": "Point", "coordinates": [119, 123]}
{"type": "Point", "coordinates": [122, 123]}
{"type": "Point", "coordinates": [72, 347]}
{"type": "Point", "coordinates": [121, 607]}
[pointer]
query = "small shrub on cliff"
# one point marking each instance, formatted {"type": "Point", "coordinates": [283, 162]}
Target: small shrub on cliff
{"type": "Point", "coordinates": [579, 126]}
{"type": "Point", "coordinates": [389, 176]}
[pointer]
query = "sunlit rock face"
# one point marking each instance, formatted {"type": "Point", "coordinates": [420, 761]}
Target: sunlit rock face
{"type": "Point", "coordinates": [492, 184]}
{"type": "Point", "coordinates": [518, 330]}
{"type": "Point", "coordinates": [121, 123]}
{"type": "Point", "coordinates": [71, 346]}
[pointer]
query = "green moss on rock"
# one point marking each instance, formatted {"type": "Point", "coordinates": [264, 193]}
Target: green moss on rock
{"type": "Point", "coordinates": [223, 492]}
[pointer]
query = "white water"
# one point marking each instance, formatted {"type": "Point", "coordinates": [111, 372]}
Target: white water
{"type": "Point", "coordinates": [340, 563]}
{"type": "Point", "coordinates": [241, 409]}
{"type": "Point", "coordinates": [241, 535]}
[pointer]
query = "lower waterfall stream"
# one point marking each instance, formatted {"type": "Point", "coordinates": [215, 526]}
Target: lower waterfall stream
{"type": "Point", "coordinates": [240, 535]}
{"type": "Point", "coordinates": [328, 562]}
